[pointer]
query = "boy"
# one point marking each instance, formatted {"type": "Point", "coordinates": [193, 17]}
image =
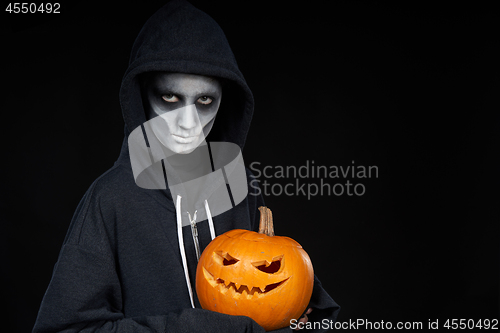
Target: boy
{"type": "Point", "coordinates": [129, 259]}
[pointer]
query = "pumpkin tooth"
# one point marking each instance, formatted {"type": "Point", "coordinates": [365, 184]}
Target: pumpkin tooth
{"type": "Point", "coordinates": [237, 286]}
{"type": "Point", "coordinates": [257, 291]}
{"type": "Point", "coordinates": [253, 291]}
{"type": "Point", "coordinates": [231, 290]}
{"type": "Point", "coordinates": [222, 288]}
{"type": "Point", "coordinates": [244, 287]}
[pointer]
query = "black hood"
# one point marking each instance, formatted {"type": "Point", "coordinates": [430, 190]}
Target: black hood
{"type": "Point", "coordinates": [180, 38]}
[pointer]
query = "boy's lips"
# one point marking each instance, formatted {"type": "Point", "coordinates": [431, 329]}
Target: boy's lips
{"type": "Point", "coordinates": [184, 139]}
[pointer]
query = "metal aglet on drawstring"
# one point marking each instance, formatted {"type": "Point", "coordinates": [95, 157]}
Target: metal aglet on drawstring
{"type": "Point", "coordinates": [194, 230]}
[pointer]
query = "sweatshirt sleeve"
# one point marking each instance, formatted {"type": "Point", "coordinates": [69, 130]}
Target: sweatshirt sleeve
{"type": "Point", "coordinates": [84, 294]}
{"type": "Point", "coordinates": [324, 307]}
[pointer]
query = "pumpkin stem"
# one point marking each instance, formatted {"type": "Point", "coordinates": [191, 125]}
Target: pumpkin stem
{"type": "Point", "coordinates": [266, 221]}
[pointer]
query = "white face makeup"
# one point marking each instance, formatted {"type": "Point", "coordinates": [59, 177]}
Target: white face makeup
{"type": "Point", "coordinates": [181, 108]}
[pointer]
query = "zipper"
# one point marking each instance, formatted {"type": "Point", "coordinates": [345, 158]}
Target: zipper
{"type": "Point", "coordinates": [194, 231]}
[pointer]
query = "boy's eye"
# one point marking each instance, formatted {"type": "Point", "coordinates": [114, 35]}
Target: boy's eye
{"type": "Point", "coordinates": [171, 98]}
{"type": "Point", "coordinates": [205, 100]}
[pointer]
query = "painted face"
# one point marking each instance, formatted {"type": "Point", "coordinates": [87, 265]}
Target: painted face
{"type": "Point", "coordinates": [181, 108]}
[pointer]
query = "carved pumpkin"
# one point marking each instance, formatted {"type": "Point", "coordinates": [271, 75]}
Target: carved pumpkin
{"type": "Point", "coordinates": [265, 277]}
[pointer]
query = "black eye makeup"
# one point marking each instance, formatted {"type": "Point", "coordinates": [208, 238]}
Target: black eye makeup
{"type": "Point", "coordinates": [170, 98]}
{"type": "Point", "coordinates": [201, 100]}
{"type": "Point", "coordinates": [205, 100]}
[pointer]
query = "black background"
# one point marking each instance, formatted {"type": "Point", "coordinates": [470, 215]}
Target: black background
{"type": "Point", "coordinates": [410, 88]}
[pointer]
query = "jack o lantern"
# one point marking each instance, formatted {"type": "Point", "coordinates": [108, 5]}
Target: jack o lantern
{"type": "Point", "coordinates": [265, 277]}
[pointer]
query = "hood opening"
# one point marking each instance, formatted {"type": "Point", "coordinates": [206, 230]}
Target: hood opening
{"type": "Point", "coordinates": [179, 38]}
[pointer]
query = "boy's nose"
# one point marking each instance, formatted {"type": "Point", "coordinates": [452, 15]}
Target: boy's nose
{"type": "Point", "coordinates": [188, 118]}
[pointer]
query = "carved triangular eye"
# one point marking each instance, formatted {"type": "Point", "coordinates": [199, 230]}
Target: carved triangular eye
{"type": "Point", "coordinates": [224, 258]}
{"type": "Point", "coordinates": [269, 267]}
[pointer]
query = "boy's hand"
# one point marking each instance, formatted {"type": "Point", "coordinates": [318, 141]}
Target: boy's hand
{"type": "Point", "coordinates": [303, 319]}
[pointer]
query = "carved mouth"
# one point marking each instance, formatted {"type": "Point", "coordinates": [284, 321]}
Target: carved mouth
{"type": "Point", "coordinates": [236, 290]}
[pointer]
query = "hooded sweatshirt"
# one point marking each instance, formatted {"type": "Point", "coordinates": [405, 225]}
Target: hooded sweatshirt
{"type": "Point", "coordinates": [128, 261]}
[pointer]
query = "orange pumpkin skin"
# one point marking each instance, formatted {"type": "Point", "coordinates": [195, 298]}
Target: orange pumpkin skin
{"type": "Point", "coordinates": [267, 278]}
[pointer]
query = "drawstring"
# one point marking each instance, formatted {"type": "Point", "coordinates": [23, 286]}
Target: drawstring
{"type": "Point", "coordinates": [195, 239]}
{"type": "Point", "coordinates": [210, 222]}
{"type": "Point", "coordinates": [181, 247]}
